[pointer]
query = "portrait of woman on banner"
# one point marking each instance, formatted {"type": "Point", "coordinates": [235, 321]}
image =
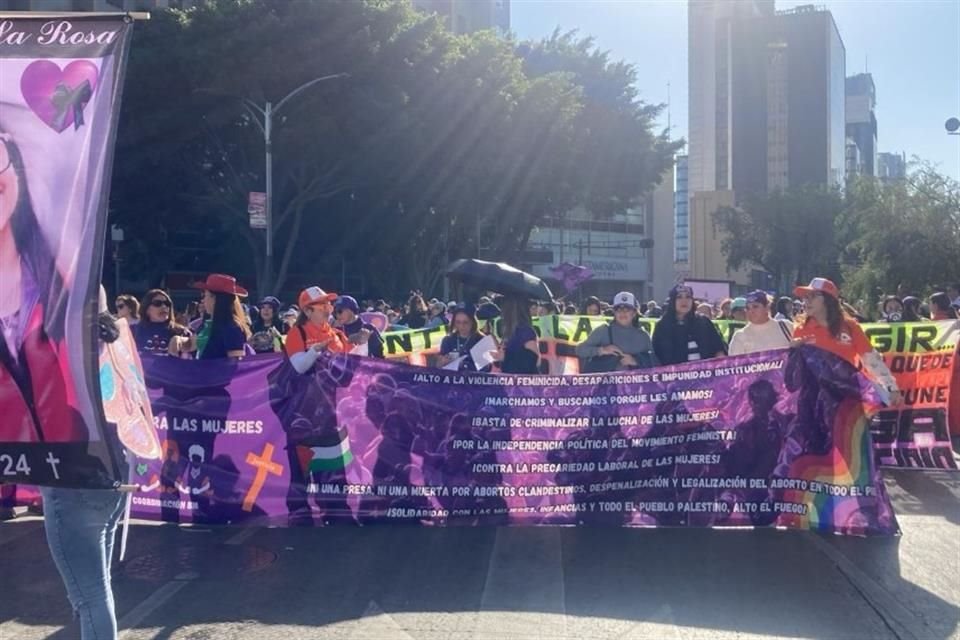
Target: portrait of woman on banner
{"type": "Point", "coordinates": [36, 389]}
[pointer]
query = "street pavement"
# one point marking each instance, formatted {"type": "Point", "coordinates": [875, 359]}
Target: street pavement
{"type": "Point", "coordinates": [375, 583]}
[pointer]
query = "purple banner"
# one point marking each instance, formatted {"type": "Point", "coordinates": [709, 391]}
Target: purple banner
{"type": "Point", "coordinates": [60, 82]}
{"type": "Point", "coordinates": [775, 439]}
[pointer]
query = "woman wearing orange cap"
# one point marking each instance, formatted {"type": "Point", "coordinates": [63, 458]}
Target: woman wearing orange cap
{"type": "Point", "coordinates": [313, 334]}
{"type": "Point", "coordinates": [825, 325]}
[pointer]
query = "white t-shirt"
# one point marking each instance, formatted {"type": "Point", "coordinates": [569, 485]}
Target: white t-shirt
{"type": "Point", "coordinates": [761, 337]}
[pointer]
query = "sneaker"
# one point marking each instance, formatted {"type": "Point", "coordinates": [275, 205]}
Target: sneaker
{"type": "Point", "coordinates": [7, 513]}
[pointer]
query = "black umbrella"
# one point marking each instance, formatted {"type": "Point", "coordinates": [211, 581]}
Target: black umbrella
{"type": "Point", "coordinates": [499, 277]}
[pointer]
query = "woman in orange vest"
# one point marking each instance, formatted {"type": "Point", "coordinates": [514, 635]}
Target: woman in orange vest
{"type": "Point", "coordinates": [318, 448]}
{"type": "Point", "coordinates": [313, 334]}
{"type": "Point", "coordinates": [826, 326]}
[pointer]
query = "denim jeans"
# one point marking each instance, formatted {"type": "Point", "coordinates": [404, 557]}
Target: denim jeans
{"type": "Point", "coordinates": [80, 526]}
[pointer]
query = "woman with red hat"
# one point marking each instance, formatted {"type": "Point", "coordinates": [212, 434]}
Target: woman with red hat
{"type": "Point", "coordinates": [313, 333]}
{"type": "Point", "coordinates": [825, 325]}
{"type": "Point", "coordinates": [227, 331]}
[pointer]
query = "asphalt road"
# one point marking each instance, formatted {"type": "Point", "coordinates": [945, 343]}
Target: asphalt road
{"type": "Point", "coordinates": [544, 583]}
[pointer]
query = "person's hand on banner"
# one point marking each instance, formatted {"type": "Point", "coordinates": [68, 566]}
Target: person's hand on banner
{"type": "Point", "coordinates": [322, 345]}
{"type": "Point", "coordinates": [628, 360]}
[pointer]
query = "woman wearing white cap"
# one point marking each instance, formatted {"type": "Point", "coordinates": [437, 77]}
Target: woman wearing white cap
{"type": "Point", "coordinates": [619, 346]}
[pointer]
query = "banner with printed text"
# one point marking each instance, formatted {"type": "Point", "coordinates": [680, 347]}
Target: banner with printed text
{"type": "Point", "coordinates": [60, 83]}
{"type": "Point", "coordinates": [775, 439]}
{"type": "Point", "coordinates": [921, 355]}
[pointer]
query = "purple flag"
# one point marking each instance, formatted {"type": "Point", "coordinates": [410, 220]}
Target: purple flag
{"type": "Point", "coordinates": [571, 275]}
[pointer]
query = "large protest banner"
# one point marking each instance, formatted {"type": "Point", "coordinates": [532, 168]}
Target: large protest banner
{"type": "Point", "coordinates": [921, 355]}
{"type": "Point", "coordinates": [775, 439]}
{"type": "Point", "coordinates": [923, 358]}
{"type": "Point", "coordinates": [60, 85]}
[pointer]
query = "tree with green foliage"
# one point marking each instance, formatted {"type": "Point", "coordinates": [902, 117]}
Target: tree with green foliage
{"type": "Point", "coordinates": [437, 145]}
{"type": "Point", "coordinates": [790, 234]}
{"type": "Point", "coordinates": [904, 233]}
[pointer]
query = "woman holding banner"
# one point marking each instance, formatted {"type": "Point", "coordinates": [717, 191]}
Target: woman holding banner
{"type": "Point", "coordinates": [683, 336]}
{"type": "Point", "coordinates": [827, 327]}
{"type": "Point", "coordinates": [304, 398]}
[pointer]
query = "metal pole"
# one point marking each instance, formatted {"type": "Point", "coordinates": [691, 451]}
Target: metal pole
{"type": "Point", "coordinates": [116, 267]}
{"type": "Point", "coordinates": [268, 144]}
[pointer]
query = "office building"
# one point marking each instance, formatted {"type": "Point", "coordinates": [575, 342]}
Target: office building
{"type": "Point", "coordinates": [467, 16]}
{"type": "Point", "coordinates": [862, 121]}
{"type": "Point", "coordinates": [767, 111]}
{"type": "Point", "coordinates": [681, 216]}
{"type": "Point", "coordinates": [661, 229]}
{"type": "Point", "coordinates": [617, 251]}
{"type": "Point", "coordinates": [891, 166]}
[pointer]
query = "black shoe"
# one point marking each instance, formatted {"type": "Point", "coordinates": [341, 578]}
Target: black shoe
{"type": "Point", "coordinates": [7, 513]}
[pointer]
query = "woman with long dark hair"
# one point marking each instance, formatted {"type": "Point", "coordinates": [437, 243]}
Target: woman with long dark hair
{"type": "Point", "coordinates": [464, 337]}
{"type": "Point", "coordinates": [34, 363]}
{"type": "Point", "coordinates": [682, 335]}
{"type": "Point", "coordinates": [520, 350]}
{"type": "Point", "coordinates": [416, 316]}
{"type": "Point", "coordinates": [826, 326]}
{"type": "Point", "coordinates": [156, 329]}
{"type": "Point", "coordinates": [784, 309]}
{"type": "Point", "coordinates": [228, 330]}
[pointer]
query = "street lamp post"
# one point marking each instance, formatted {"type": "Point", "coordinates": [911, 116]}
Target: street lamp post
{"type": "Point", "coordinates": [267, 112]}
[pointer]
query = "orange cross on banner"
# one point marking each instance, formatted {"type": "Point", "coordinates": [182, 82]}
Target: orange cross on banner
{"type": "Point", "coordinates": [264, 465]}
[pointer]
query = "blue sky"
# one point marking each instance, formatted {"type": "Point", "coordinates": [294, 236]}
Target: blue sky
{"type": "Point", "coordinates": [912, 48]}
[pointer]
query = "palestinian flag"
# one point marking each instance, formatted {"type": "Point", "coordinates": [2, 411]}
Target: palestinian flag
{"type": "Point", "coordinates": [323, 456]}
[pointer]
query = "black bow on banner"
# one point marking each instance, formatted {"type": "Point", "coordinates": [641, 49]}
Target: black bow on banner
{"type": "Point", "coordinates": [65, 99]}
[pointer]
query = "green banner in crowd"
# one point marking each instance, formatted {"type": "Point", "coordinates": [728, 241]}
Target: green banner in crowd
{"type": "Point", "coordinates": [907, 337]}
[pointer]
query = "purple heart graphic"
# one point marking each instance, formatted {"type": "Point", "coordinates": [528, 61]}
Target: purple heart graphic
{"type": "Point", "coordinates": [58, 96]}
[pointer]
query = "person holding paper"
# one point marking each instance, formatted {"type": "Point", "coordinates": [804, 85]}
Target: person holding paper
{"type": "Point", "coordinates": [465, 335]}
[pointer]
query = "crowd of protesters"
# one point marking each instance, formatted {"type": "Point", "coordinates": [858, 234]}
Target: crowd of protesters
{"type": "Point", "coordinates": [220, 325]}
{"type": "Point", "coordinates": [201, 331]}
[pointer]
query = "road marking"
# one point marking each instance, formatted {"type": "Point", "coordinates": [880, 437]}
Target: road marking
{"type": "Point", "coordinates": [522, 557]}
{"type": "Point", "coordinates": [898, 618]}
{"type": "Point", "coordinates": [153, 602]}
{"type": "Point", "coordinates": [242, 537]}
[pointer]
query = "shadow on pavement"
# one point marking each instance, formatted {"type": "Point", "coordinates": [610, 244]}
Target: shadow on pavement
{"type": "Point", "coordinates": [608, 582]}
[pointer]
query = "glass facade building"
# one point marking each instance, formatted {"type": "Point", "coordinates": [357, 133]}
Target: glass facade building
{"type": "Point", "coordinates": [681, 213]}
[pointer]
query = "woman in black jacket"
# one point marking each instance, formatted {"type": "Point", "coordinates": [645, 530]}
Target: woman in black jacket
{"type": "Point", "coordinates": [683, 336]}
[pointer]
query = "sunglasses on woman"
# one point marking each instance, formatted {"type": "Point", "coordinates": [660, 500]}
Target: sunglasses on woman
{"type": "Point", "coordinates": [160, 303]}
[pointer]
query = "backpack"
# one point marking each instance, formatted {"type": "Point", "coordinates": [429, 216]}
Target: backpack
{"type": "Point", "coordinates": [598, 363]}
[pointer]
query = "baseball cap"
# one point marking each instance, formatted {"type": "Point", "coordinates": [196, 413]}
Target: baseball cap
{"type": "Point", "coordinates": [290, 313]}
{"type": "Point", "coordinates": [758, 296]}
{"type": "Point", "coordinates": [681, 289]}
{"type": "Point", "coordinates": [818, 285]}
{"type": "Point", "coordinates": [347, 302]}
{"type": "Point", "coordinates": [624, 299]}
{"type": "Point", "coordinates": [272, 301]}
{"type": "Point", "coordinates": [314, 295]}
{"type": "Point", "coordinates": [738, 303]}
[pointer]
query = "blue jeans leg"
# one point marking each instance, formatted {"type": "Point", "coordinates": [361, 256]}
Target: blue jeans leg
{"type": "Point", "coordinates": [80, 526]}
